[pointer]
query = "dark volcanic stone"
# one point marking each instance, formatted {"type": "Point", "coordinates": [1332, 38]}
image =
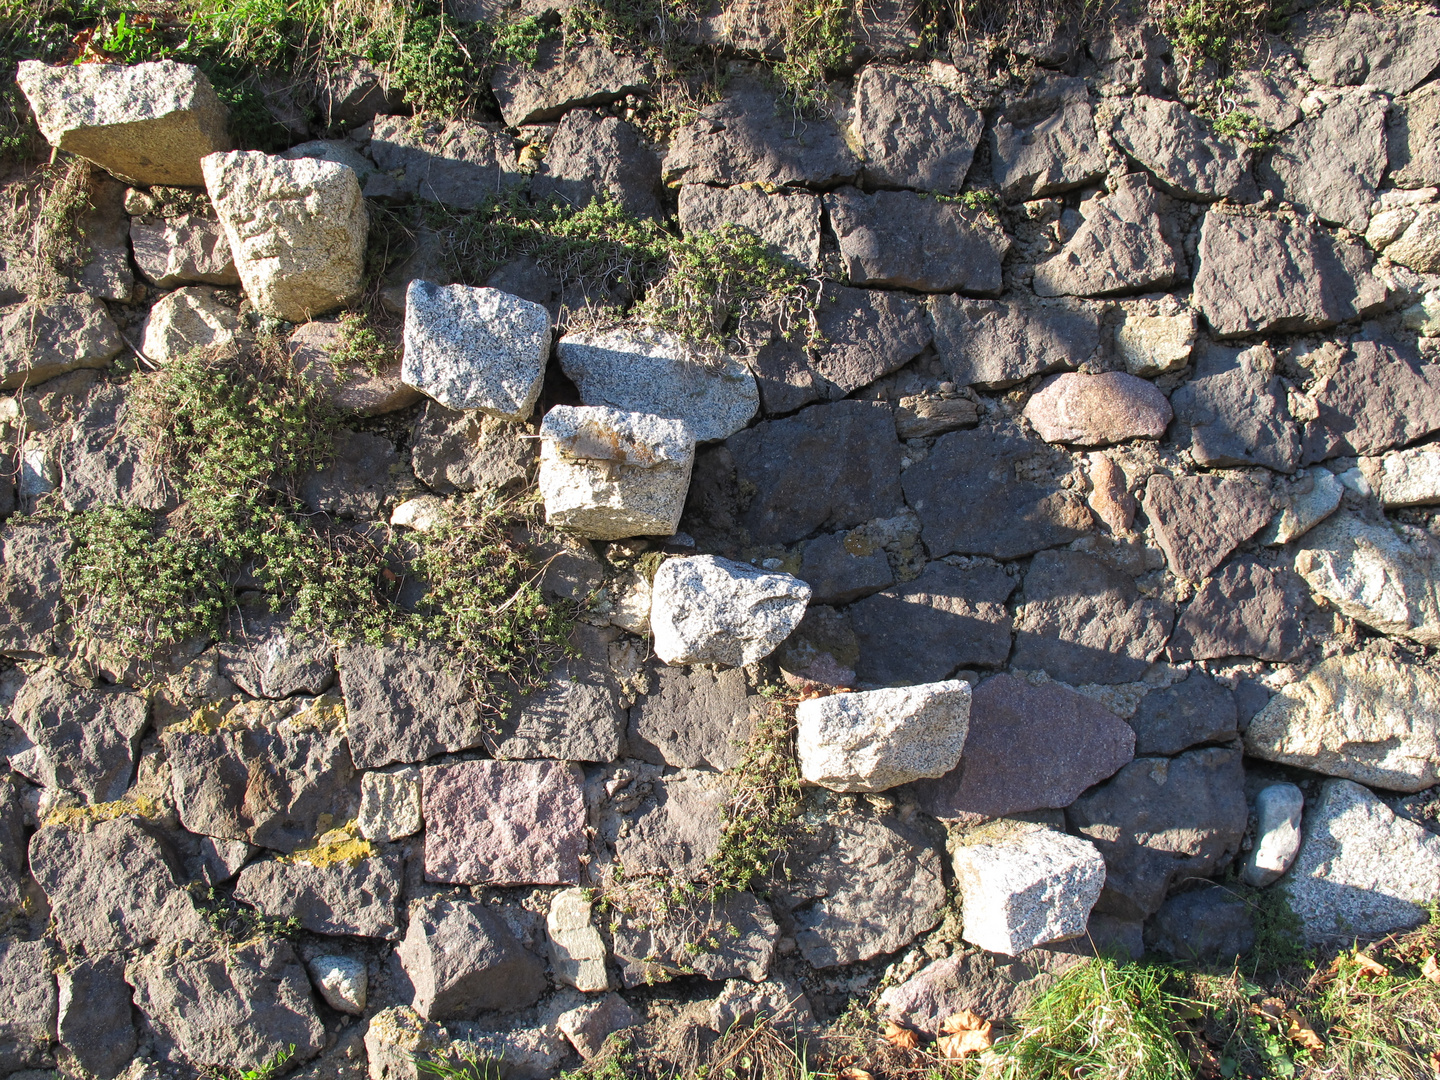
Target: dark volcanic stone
{"type": "Point", "coordinates": [1390, 50]}
{"type": "Point", "coordinates": [102, 465]}
{"type": "Point", "coordinates": [267, 657]}
{"type": "Point", "coordinates": [822, 651]}
{"type": "Point", "coordinates": [1198, 520]}
{"type": "Point", "coordinates": [592, 155]}
{"type": "Point", "coordinates": [915, 134]}
{"type": "Point", "coordinates": [1048, 143]}
{"type": "Point", "coordinates": [27, 1005]}
{"type": "Point", "coordinates": [357, 481]}
{"type": "Point", "coordinates": [1380, 396]}
{"type": "Point", "coordinates": [1196, 710]}
{"type": "Point", "coordinates": [970, 500]}
{"type": "Point", "coordinates": [1245, 610]}
{"type": "Point", "coordinates": [841, 567]}
{"type": "Point", "coordinates": [1029, 748]}
{"type": "Point", "coordinates": [1206, 924]}
{"type": "Point", "coordinates": [676, 830]}
{"type": "Point", "coordinates": [1001, 342]}
{"type": "Point", "coordinates": [693, 718]}
{"type": "Point", "coordinates": [738, 931]}
{"type": "Point", "coordinates": [996, 987]}
{"type": "Point", "coordinates": [462, 960]}
{"type": "Point", "coordinates": [1414, 139]}
{"type": "Point", "coordinates": [1178, 148]}
{"type": "Point", "coordinates": [94, 1016]}
{"type": "Point", "coordinates": [87, 740]}
{"type": "Point", "coordinates": [31, 555]}
{"type": "Point", "coordinates": [925, 629]}
{"type": "Point", "coordinates": [577, 715]}
{"type": "Point", "coordinates": [457, 162]}
{"type": "Point", "coordinates": [468, 451]}
{"type": "Point", "coordinates": [865, 334]}
{"type": "Point", "coordinates": [1332, 162]}
{"type": "Point", "coordinates": [1238, 410]}
{"type": "Point", "coordinates": [359, 898]}
{"type": "Point", "coordinates": [405, 704]}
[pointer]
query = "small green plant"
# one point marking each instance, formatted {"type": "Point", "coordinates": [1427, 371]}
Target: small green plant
{"type": "Point", "coordinates": [271, 1068]}
{"type": "Point", "coordinates": [1226, 31]}
{"type": "Point", "coordinates": [519, 42]}
{"type": "Point", "coordinates": [467, 1065]}
{"type": "Point", "coordinates": [362, 346]}
{"type": "Point", "coordinates": [1279, 933]}
{"type": "Point", "coordinates": [818, 38]}
{"type": "Point", "coordinates": [235, 923]}
{"type": "Point", "coordinates": [981, 201]}
{"type": "Point", "coordinates": [1244, 127]}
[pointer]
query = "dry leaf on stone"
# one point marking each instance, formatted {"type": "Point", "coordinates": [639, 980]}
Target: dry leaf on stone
{"type": "Point", "coordinates": [902, 1038]}
{"type": "Point", "coordinates": [1430, 969]}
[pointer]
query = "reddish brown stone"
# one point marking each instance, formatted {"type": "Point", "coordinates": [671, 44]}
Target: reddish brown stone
{"type": "Point", "coordinates": [1199, 520]}
{"type": "Point", "coordinates": [1097, 410]}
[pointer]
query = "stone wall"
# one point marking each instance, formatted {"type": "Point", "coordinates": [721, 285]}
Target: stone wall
{"type": "Point", "coordinates": [1101, 483]}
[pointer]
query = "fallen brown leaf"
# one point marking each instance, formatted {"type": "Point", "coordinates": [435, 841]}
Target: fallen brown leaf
{"type": "Point", "coordinates": [854, 1072]}
{"type": "Point", "coordinates": [1435, 1063]}
{"type": "Point", "coordinates": [902, 1038]}
{"type": "Point", "coordinates": [964, 1020]}
{"type": "Point", "coordinates": [1301, 1033]}
{"type": "Point", "coordinates": [964, 1043]}
{"type": "Point", "coordinates": [1369, 968]}
{"type": "Point", "coordinates": [1431, 969]}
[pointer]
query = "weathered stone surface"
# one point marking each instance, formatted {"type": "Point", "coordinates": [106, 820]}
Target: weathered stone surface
{"type": "Point", "coordinates": [1373, 574]}
{"type": "Point", "coordinates": [298, 747]}
{"type": "Point", "coordinates": [297, 230]}
{"type": "Point", "coordinates": [1379, 396]}
{"type": "Point", "coordinates": [317, 351]}
{"type": "Point", "coordinates": [730, 938]}
{"type": "Point", "coordinates": [564, 79]}
{"type": "Point", "coordinates": [404, 704]}
{"type": "Point", "coordinates": [1023, 885]}
{"type": "Point", "coordinates": [399, 1042]}
{"type": "Point", "coordinates": [357, 481]}
{"type": "Point", "coordinates": [469, 451]}
{"type": "Point", "coordinates": [998, 343]}
{"type": "Point", "coordinates": [45, 338]}
{"type": "Point", "coordinates": [751, 137]}
{"type": "Point", "coordinates": [112, 888]}
{"type": "Point", "coordinates": [31, 558]}
{"type": "Point", "coordinates": [342, 981]}
{"type": "Point", "coordinates": [1001, 515]}
{"type": "Point", "coordinates": [1332, 163]}
{"type": "Point", "coordinates": [1174, 718]}
{"type": "Point", "coordinates": [27, 1005]}
{"type": "Point", "coordinates": [778, 1000]}
{"type": "Point", "coordinates": [676, 830]}
{"type": "Point", "coordinates": [146, 123]}
{"type": "Point", "coordinates": [903, 240]}
{"type": "Point", "coordinates": [1238, 411]}
{"type": "Point", "coordinates": [1071, 741]}
{"type": "Point", "coordinates": [462, 960]}
{"type": "Point", "coordinates": [821, 653]}
{"type": "Point", "coordinates": [787, 223]}
{"type": "Point", "coordinates": [692, 718]}
{"type": "Point", "coordinates": [997, 988]}
{"type": "Point", "coordinates": [1098, 410]}
{"type": "Point", "coordinates": [267, 657]}
{"type": "Point", "coordinates": [504, 823]}
{"type": "Point", "coordinates": [831, 467]}
{"type": "Point", "coordinates": [1086, 622]}
{"type": "Point", "coordinates": [1155, 344]}
{"type": "Point", "coordinates": [455, 162]}
{"type": "Point", "coordinates": [1278, 809]}
{"type": "Point", "coordinates": [923, 630]}
{"type": "Point", "coordinates": [1245, 610]}
{"type": "Point", "coordinates": [577, 715]}
{"type": "Point", "coordinates": [1109, 496]}
{"type": "Point", "coordinates": [1054, 151]}
{"type": "Point", "coordinates": [1122, 246]}
{"type": "Point", "coordinates": [1362, 872]}
{"type": "Point", "coordinates": [188, 320]}
{"type": "Point", "coordinates": [577, 952]}
{"type": "Point", "coordinates": [1361, 716]}
{"type": "Point", "coordinates": [1390, 51]}
{"type": "Point", "coordinates": [591, 156]}
{"type": "Point", "coordinates": [1413, 139]}
{"type": "Point", "coordinates": [234, 1008]}
{"type": "Point", "coordinates": [1404, 477]}
{"type": "Point", "coordinates": [1313, 496]}
{"type": "Point", "coordinates": [1205, 924]}
{"type": "Point", "coordinates": [1416, 243]}
{"type": "Point", "coordinates": [390, 807]}
{"type": "Point", "coordinates": [86, 741]}
{"type": "Point", "coordinates": [94, 1021]}
{"type": "Point", "coordinates": [878, 739]}
{"type": "Point", "coordinates": [864, 334]}
{"type": "Point", "coordinates": [1277, 274]}
{"type": "Point", "coordinates": [183, 250]}
{"type": "Point", "coordinates": [103, 460]}
{"type": "Point", "coordinates": [359, 897]}
{"type": "Point", "coordinates": [862, 887]}
{"type": "Point", "coordinates": [841, 567]}
{"type": "Point", "coordinates": [919, 417]}
{"type": "Point", "coordinates": [654, 372]}
{"type": "Point", "coordinates": [342, 151]}
{"type": "Point", "coordinates": [1198, 520]}
{"type": "Point", "coordinates": [475, 348]}
{"type": "Point", "coordinates": [589, 1025]}
{"type": "Point", "coordinates": [221, 860]}
{"type": "Point", "coordinates": [913, 133]}
{"type": "Point", "coordinates": [12, 846]}
{"type": "Point", "coordinates": [708, 610]}
{"type": "Point", "coordinates": [1178, 149]}
{"type": "Point", "coordinates": [1161, 819]}
{"type": "Point", "coordinates": [608, 474]}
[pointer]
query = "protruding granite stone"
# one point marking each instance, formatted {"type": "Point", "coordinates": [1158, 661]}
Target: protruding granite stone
{"type": "Point", "coordinates": [913, 133]}
{"type": "Point", "coordinates": [997, 343]}
{"type": "Point", "coordinates": [504, 823]}
{"type": "Point", "coordinates": [146, 123]}
{"type": "Point", "coordinates": [1178, 148]}
{"type": "Point", "coordinates": [342, 981]}
{"type": "Point", "coordinates": [1278, 810]}
{"type": "Point", "coordinates": [1404, 477]}
{"type": "Point", "coordinates": [1412, 238]}
{"type": "Point", "coordinates": [1072, 741]}
{"type": "Point", "coordinates": [1311, 498]}
{"type": "Point", "coordinates": [390, 804]}
{"type": "Point", "coordinates": [708, 610]}
{"type": "Point", "coordinates": [1023, 885]}
{"type": "Point", "coordinates": [45, 338]}
{"type": "Point", "coordinates": [1238, 411]}
{"type": "Point", "coordinates": [1198, 520]}
{"type": "Point", "coordinates": [463, 960]}
{"type": "Point", "coordinates": [183, 250]}
{"type": "Point", "coordinates": [358, 897]}
{"type": "Point", "coordinates": [405, 703]}
{"type": "Point", "coordinates": [1155, 344]}
{"type": "Point", "coordinates": [1124, 245]}
{"type": "Point", "coordinates": [878, 739]}
{"type": "Point", "coordinates": [787, 223]}
{"type": "Point", "coordinates": [1098, 410]}
{"type": "Point", "coordinates": [577, 952]}
{"type": "Point", "coordinates": [86, 741]}
{"type": "Point", "coordinates": [1245, 610]}
{"type": "Point", "coordinates": [475, 348]}
{"type": "Point", "coordinates": [1195, 710]}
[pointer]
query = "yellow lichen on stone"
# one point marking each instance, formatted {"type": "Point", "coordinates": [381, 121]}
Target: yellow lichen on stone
{"type": "Point", "coordinates": [72, 817]}
{"type": "Point", "coordinates": [339, 845]}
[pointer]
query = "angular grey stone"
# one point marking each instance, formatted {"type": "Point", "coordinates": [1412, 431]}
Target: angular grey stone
{"type": "Point", "coordinates": [564, 79]}
{"type": "Point", "coordinates": [1000, 516]}
{"type": "Point", "coordinates": [1362, 872]}
{"type": "Point", "coordinates": [102, 464]}
{"type": "Point", "coordinates": [692, 718]}
{"type": "Point", "coordinates": [469, 451]}
{"type": "Point", "coordinates": [221, 860]}
{"type": "Point", "coordinates": [1098, 410]}
{"type": "Point", "coordinates": [729, 938]}
{"type": "Point", "coordinates": [652, 371]}
{"type": "Point", "coordinates": [995, 987]}
{"type": "Point", "coordinates": [676, 830]}
{"type": "Point", "coordinates": [577, 952]}
{"type": "Point", "coordinates": [1195, 710]}
{"type": "Point", "coordinates": [861, 887]}
{"type": "Point", "coordinates": [1042, 155]}
{"type": "Point", "coordinates": [390, 804]}
{"type": "Point", "coordinates": [183, 250]}
{"type": "Point", "coordinates": [1084, 622]}
{"type": "Point", "coordinates": [1278, 810]}
{"type": "Point", "coordinates": [1198, 520]}
{"type": "Point", "coordinates": [1332, 163]}
{"type": "Point", "coordinates": [1000, 342]}
{"type": "Point", "coordinates": [787, 223]}
{"type": "Point", "coordinates": [458, 163]}
{"type": "Point", "coordinates": [592, 156]}
{"type": "Point", "coordinates": [45, 338]}
{"type": "Point", "coordinates": [475, 348]}
{"type": "Point", "coordinates": [588, 1026]}
{"type": "Point", "coordinates": [342, 151]}
{"type": "Point", "coordinates": [879, 739]}
{"type": "Point", "coordinates": [830, 467]}
{"type": "Point", "coordinates": [1023, 885]}
{"type": "Point", "coordinates": [1404, 477]}
{"type": "Point", "coordinates": [27, 1005]}
{"type": "Point", "coordinates": [103, 230]}
{"type": "Point", "coordinates": [267, 657]}
{"type": "Point", "coordinates": [1072, 743]}
{"type": "Point", "coordinates": [577, 715]}
{"type": "Point", "coordinates": [357, 481]}
{"type": "Point", "coordinates": [778, 1000]}
{"type": "Point", "coordinates": [1391, 51]}
{"type": "Point", "coordinates": [904, 240]}
{"type": "Point", "coordinates": [12, 846]}
{"type": "Point", "coordinates": [1123, 246]}
{"type": "Point", "coordinates": [189, 320]}
{"type": "Point", "coordinates": [147, 123]}
{"type": "Point", "coordinates": [462, 960]}
{"type": "Point", "coordinates": [112, 887]}
{"type": "Point", "coordinates": [1379, 396]}
{"type": "Point", "coordinates": [359, 897]}
{"type": "Point", "coordinates": [86, 741]}
{"type": "Point", "coordinates": [1162, 819]}
{"type": "Point", "coordinates": [1413, 139]}
{"type": "Point", "coordinates": [94, 1016]}
{"type": "Point", "coordinates": [751, 136]}
{"type": "Point", "coordinates": [1245, 610]}
{"type": "Point", "coordinates": [319, 351]}
{"type": "Point", "coordinates": [342, 981]}
{"type": "Point", "coordinates": [864, 334]}
{"type": "Point", "coordinates": [1206, 924]}
{"type": "Point", "coordinates": [32, 557]}
{"type": "Point", "coordinates": [913, 133]}
{"type": "Point", "coordinates": [841, 567]}
{"type": "Point", "coordinates": [924, 630]}
{"type": "Point", "coordinates": [784, 377]}
{"type": "Point", "coordinates": [405, 704]}
{"type": "Point", "coordinates": [1178, 149]}
{"type": "Point", "coordinates": [1238, 410]}
{"type": "Point", "coordinates": [708, 610]}
{"type": "Point", "coordinates": [234, 1008]}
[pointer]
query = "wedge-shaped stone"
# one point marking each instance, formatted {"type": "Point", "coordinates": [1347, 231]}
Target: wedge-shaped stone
{"type": "Point", "coordinates": [1278, 810]}
{"type": "Point", "coordinates": [45, 338]}
{"type": "Point", "coordinates": [1178, 149]}
{"type": "Point", "coordinates": [1124, 245]}
{"type": "Point", "coordinates": [914, 133]}
{"type": "Point", "coordinates": [708, 610]}
{"type": "Point", "coordinates": [359, 897]}
{"type": "Point", "coordinates": [463, 960]}
{"type": "Point", "coordinates": [1332, 163]}
{"type": "Point", "coordinates": [1035, 157]}
{"type": "Point", "coordinates": [1198, 520]}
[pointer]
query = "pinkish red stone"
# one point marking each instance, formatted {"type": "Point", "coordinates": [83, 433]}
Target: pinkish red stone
{"type": "Point", "coordinates": [1097, 410]}
{"type": "Point", "coordinates": [504, 822]}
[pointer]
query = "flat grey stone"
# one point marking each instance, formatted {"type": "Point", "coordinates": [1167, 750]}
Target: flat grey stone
{"type": "Point", "coordinates": [1205, 924]}
{"type": "Point", "coordinates": [94, 1018]}
{"type": "Point", "coordinates": [1379, 396]}
{"type": "Point", "coordinates": [102, 463]}
{"type": "Point", "coordinates": [86, 741]}
{"type": "Point", "coordinates": [458, 163]}
{"type": "Point", "coordinates": [1245, 610]}
{"type": "Point", "coordinates": [1390, 51]}
{"type": "Point", "coordinates": [693, 718]}
{"type": "Point", "coordinates": [469, 451]}
{"type": "Point", "coordinates": [914, 133]}
{"type": "Point", "coordinates": [577, 715]}
{"type": "Point", "coordinates": [1332, 163]}
{"type": "Point", "coordinates": [358, 480]}
{"type": "Point", "coordinates": [318, 350]}
{"type": "Point", "coordinates": [1053, 152]}
{"type": "Point", "coordinates": [1178, 149]}
{"type": "Point", "coordinates": [1196, 710]}
{"type": "Point", "coordinates": [841, 567]}
{"type": "Point", "coordinates": [267, 657]}
{"type": "Point", "coordinates": [1413, 139]}
{"type": "Point", "coordinates": [865, 334]}
{"type": "Point", "coordinates": [1124, 244]}
{"type": "Point", "coordinates": [590, 156]}
{"type": "Point", "coordinates": [1198, 520]}
{"type": "Point", "coordinates": [359, 898]}
{"type": "Point", "coordinates": [41, 339]}
{"type": "Point", "coordinates": [727, 938]}
{"type": "Point", "coordinates": [564, 79]}
{"type": "Point", "coordinates": [183, 250]}
{"type": "Point", "coordinates": [786, 223]}
{"type": "Point", "coordinates": [997, 343]}
{"type": "Point", "coordinates": [404, 704]}
{"type": "Point", "coordinates": [998, 988]}
{"type": "Point", "coordinates": [1237, 408]}
{"type": "Point", "coordinates": [27, 1005]}
{"type": "Point", "coordinates": [676, 829]}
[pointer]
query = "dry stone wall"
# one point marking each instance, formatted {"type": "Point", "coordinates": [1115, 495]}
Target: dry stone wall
{"type": "Point", "coordinates": [1095, 517]}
